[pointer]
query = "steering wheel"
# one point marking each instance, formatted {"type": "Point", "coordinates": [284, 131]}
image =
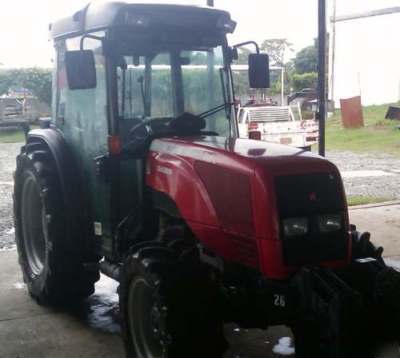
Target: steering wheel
{"type": "Point", "coordinates": [188, 124]}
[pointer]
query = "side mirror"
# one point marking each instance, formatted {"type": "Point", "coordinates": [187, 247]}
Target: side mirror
{"type": "Point", "coordinates": [259, 71]}
{"type": "Point", "coordinates": [80, 69]}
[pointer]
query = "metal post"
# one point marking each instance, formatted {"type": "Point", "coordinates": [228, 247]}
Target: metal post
{"type": "Point", "coordinates": [210, 69]}
{"type": "Point", "coordinates": [322, 95]}
{"type": "Point", "coordinates": [333, 58]}
{"type": "Point", "coordinates": [282, 86]}
{"type": "Point", "coordinates": [2, 106]}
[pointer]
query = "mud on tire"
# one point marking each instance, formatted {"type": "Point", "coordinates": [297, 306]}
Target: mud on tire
{"type": "Point", "coordinates": [167, 311]}
{"type": "Point", "coordinates": [51, 262]}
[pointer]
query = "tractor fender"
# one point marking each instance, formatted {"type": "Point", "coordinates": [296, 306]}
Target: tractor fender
{"type": "Point", "coordinates": [67, 174]}
{"type": "Point", "coordinates": [212, 199]}
{"type": "Point", "coordinates": [58, 147]}
{"type": "Point", "coordinates": [179, 189]}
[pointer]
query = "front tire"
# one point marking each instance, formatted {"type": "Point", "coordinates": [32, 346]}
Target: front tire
{"type": "Point", "coordinates": [51, 262]}
{"type": "Point", "coordinates": [167, 312]}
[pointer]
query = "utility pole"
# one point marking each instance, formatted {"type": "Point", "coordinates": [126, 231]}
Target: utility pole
{"type": "Point", "coordinates": [333, 23]}
{"type": "Point", "coordinates": [322, 93]}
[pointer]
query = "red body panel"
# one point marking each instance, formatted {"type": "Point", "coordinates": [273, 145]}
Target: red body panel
{"type": "Point", "coordinates": [236, 218]}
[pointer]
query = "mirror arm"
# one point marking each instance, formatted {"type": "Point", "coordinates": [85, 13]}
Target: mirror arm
{"type": "Point", "coordinates": [248, 43]}
{"type": "Point", "coordinates": [87, 36]}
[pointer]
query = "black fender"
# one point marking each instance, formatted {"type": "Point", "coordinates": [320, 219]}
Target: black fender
{"type": "Point", "coordinates": [163, 202]}
{"type": "Point", "coordinates": [75, 199]}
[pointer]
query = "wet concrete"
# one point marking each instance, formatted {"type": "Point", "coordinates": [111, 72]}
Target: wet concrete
{"type": "Point", "coordinates": [28, 330]}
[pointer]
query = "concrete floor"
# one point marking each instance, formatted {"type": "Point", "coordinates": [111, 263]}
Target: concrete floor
{"type": "Point", "coordinates": [31, 331]}
{"type": "Point", "coordinates": [28, 330]}
{"type": "Point", "coordinates": [383, 222]}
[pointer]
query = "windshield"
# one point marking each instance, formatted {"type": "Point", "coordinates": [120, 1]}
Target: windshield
{"type": "Point", "coordinates": [166, 84]}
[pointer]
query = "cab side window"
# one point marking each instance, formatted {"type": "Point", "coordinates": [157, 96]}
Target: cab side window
{"type": "Point", "coordinates": [82, 114]}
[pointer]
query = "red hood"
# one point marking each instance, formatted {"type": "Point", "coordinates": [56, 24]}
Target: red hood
{"type": "Point", "coordinates": [225, 189]}
{"type": "Point", "coordinates": [276, 158]}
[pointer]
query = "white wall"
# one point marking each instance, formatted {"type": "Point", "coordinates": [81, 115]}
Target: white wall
{"type": "Point", "coordinates": [368, 59]}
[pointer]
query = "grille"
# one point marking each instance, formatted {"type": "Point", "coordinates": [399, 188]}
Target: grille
{"type": "Point", "coordinates": [310, 196]}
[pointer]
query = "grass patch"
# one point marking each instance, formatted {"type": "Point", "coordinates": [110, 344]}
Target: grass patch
{"type": "Point", "coordinates": [11, 136]}
{"type": "Point", "coordinates": [378, 135]}
{"type": "Point", "coordinates": [14, 134]}
{"type": "Point", "coordinates": [353, 200]}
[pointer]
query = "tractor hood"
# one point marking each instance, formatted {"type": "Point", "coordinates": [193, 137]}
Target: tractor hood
{"type": "Point", "coordinates": [274, 158]}
{"type": "Point", "coordinates": [234, 193]}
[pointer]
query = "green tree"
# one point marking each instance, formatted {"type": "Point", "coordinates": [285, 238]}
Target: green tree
{"type": "Point", "coordinates": [37, 80]}
{"type": "Point", "coordinates": [304, 80]}
{"type": "Point", "coordinates": [7, 80]}
{"type": "Point", "coordinates": [306, 60]}
{"type": "Point", "coordinates": [243, 56]}
{"type": "Point", "coordinates": [277, 50]}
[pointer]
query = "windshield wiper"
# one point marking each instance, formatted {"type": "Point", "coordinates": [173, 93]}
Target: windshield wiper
{"type": "Point", "coordinates": [214, 110]}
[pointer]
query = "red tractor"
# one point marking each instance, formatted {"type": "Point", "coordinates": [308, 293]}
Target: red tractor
{"type": "Point", "coordinates": [140, 175]}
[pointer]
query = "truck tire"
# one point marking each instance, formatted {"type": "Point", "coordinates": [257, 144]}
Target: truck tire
{"type": "Point", "coordinates": [50, 261]}
{"type": "Point", "coordinates": [307, 148]}
{"type": "Point", "coordinates": [164, 314]}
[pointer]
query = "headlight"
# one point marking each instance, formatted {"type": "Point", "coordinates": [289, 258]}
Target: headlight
{"type": "Point", "coordinates": [295, 227]}
{"type": "Point", "coordinates": [329, 223]}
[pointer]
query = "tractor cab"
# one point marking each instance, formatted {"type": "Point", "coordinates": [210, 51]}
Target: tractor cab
{"type": "Point", "coordinates": [128, 73]}
{"type": "Point", "coordinates": [145, 64]}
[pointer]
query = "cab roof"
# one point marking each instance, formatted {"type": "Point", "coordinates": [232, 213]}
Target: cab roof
{"type": "Point", "coordinates": [97, 17]}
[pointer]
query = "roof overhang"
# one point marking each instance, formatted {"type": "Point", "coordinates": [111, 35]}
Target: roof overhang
{"type": "Point", "coordinates": [97, 17]}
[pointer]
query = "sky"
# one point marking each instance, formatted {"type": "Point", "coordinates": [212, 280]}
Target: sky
{"type": "Point", "coordinates": [24, 38]}
{"type": "Point", "coordinates": [24, 24]}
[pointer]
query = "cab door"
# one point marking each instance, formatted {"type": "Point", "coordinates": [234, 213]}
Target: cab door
{"type": "Point", "coordinates": [82, 116]}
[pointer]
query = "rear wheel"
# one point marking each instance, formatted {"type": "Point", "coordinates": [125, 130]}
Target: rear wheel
{"type": "Point", "coordinates": [51, 262]}
{"type": "Point", "coordinates": [164, 314]}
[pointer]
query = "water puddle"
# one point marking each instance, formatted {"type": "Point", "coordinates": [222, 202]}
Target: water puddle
{"type": "Point", "coordinates": [284, 347]}
{"type": "Point", "coordinates": [19, 286]}
{"type": "Point", "coordinates": [393, 263]}
{"type": "Point", "coordinates": [103, 307]}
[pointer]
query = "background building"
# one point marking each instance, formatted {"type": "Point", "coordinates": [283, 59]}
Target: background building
{"type": "Point", "coordinates": [367, 54]}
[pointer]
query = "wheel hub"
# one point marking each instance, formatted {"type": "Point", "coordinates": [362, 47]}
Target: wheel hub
{"type": "Point", "coordinates": [147, 320]}
{"type": "Point", "coordinates": [158, 320]}
{"type": "Point", "coordinates": [34, 225]}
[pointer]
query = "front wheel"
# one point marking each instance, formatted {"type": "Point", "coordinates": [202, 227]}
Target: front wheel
{"type": "Point", "coordinates": [164, 314]}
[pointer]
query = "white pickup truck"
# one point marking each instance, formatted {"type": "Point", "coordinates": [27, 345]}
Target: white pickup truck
{"type": "Point", "coordinates": [278, 124]}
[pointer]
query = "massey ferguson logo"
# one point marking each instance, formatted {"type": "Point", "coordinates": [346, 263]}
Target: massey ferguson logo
{"type": "Point", "coordinates": [312, 196]}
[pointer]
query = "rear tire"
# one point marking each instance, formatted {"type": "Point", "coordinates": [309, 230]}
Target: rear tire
{"type": "Point", "coordinates": [167, 312]}
{"type": "Point", "coordinates": [51, 262]}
